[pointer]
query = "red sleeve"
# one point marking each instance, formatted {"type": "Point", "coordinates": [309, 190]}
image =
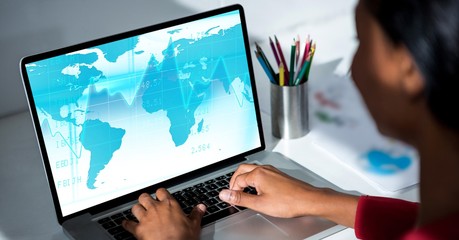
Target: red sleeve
{"type": "Point", "coordinates": [384, 218]}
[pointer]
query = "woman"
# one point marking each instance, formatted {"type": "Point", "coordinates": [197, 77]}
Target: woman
{"type": "Point", "coordinates": [407, 70]}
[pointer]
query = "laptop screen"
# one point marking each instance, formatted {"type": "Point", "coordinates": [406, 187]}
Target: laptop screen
{"type": "Point", "coordinates": [124, 114]}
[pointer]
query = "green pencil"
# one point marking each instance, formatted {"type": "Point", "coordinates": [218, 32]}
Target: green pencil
{"type": "Point", "coordinates": [292, 63]}
{"type": "Point", "coordinates": [313, 50]}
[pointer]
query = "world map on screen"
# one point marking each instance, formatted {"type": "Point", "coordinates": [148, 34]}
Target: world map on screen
{"type": "Point", "coordinates": [83, 97]}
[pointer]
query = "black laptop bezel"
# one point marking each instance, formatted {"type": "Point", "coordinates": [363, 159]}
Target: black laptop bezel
{"type": "Point", "coordinates": [174, 181]}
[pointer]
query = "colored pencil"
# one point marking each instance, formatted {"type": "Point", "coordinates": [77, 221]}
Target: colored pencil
{"type": "Point", "coordinates": [263, 56]}
{"type": "Point", "coordinates": [306, 51]}
{"type": "Point", "coordinates": [298, 64]}
{"type": "Point", "coordinates": [281, 75]}
{"type": "Point", "coordinates": [299, 70]}
{"type": "Point", "coordinates": [265, 67]}
{"type": "Point", "coordinates": [313, 50]}
{"type": "Point", "coordinates": [281, 55]}
{"type": "Point", "coordinates": [302, 73]}
{"type": "Point", "coordinates": [292, 63]}
{"type": "Point", "coordinates": [297, 53]}
{"type": "Point", "coordinates": [273, 48]}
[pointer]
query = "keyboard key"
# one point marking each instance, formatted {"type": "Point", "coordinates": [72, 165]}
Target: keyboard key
{"type": "Point", "coordinates": [211, 187]}
{"type": "Point", "coordinates": [210, 202]}
{"type": "Point", "coordinates": [188, 210]}
{"type": "Point", "coordinates": [131, 217]}
{"type": "Point", "coordinates": [200, 191]}
{"type": "Point", "coordinates": [221, 177]}
{"type": "Point", "coordinates": [116, 230]}
{"type": "Point", "coordinates": [104, 220]}
{"type": "Point", "coordinates": [223, 205]}
{"type": "Point", "coordinates": [119, 220]}
{"type": "Point", "coordinates": [212, 194]}
{"type": "Point", "coordinates": [182, 205]}
{"type": "Point", "coordinates": [189, 195]}
{"type": "Point", "coordinates": [191, 202]}
{"type": "Point", "coordinates": [118, 215]}
{"type": "Point", "coordinates": [212, 209]}
{"type": "Point", "coordinates": [221, 183]}
{"type": "Point", "coordinates": [209, 181]}
{"type": "Point", "coordinates": [124, 236]}
{"type": "Point", "coordinates": [108, 225]}
{"type": "Point", "coordinates": [202, 197]}
{"type": "Point", "coordinates": [218, 215]}
{"type": "Point", "coordinates": [179, 198]}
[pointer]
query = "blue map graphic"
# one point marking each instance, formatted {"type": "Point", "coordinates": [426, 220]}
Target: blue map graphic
{"type": "Point", "coordinates": [115, 49]}
{"type": "Point", "coordinates": [178, 84]}
{"type": "Point", "coordinates": [102, 141]}
{"type": "Point", "coordinates": [53, 90]}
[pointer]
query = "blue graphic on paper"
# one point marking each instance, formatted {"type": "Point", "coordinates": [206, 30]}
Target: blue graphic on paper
{"type": "Point", "coordinates": [384, 163]}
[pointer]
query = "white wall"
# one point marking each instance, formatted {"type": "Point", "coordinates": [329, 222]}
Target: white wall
{"type": "Point", "coordinates": [33, 26]}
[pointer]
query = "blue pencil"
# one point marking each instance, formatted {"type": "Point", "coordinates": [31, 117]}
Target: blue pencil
{"type": "Point", "coordinates": [265, 67]}
{"type": "Point", "coordinates": [263, 57]}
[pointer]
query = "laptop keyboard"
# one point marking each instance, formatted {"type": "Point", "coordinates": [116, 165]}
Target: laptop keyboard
{"type": "Point", "coordinates": [206, 192]}
{"type": "Point", "coordinates": [112, 225]}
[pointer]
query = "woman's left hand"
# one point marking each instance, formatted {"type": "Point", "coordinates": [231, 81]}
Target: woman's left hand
{"type": "Point", "coordinates": [163, 218]}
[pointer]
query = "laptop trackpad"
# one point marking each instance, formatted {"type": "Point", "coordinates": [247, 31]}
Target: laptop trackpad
{"type": "Point", "coordinates": [253, 227]}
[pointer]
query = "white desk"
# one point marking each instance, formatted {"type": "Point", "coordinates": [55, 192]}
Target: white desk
{"type": "Point", "coordinates": [26, 207]}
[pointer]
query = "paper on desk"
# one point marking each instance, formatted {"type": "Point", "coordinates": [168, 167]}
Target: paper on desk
{"type": "Point", "coordinates": [341, 125]}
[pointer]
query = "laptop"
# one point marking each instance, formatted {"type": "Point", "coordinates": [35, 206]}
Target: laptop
{"type": "Point", "coordinates": [171, 105]}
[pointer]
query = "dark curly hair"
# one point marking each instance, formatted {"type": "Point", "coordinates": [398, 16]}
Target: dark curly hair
{"type": "Point", "coordinates": [430, 31]}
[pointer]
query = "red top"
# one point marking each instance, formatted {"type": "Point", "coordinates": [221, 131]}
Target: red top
{"type": "Point", "coordinates": [386, 218]}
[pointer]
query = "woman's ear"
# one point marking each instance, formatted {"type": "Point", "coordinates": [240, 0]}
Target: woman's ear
{"type": "Point", "coordinates": [412, 81]}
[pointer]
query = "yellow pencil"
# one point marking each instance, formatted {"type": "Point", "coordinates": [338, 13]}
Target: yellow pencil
{"type": "Point", "coordinates": [281, 74]}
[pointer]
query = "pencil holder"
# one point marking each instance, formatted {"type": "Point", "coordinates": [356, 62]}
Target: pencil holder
{"type": "Point", "coordinates": [289, 111]}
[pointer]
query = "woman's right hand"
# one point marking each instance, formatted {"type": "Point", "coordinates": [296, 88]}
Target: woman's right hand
{"type": "Point", "coordinates": [280, 195]}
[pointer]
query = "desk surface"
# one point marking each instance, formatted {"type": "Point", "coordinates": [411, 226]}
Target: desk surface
{"type": "Point", "coordinates": [25, 197]}
{"type": "Point", "coordinates": [26, 206]}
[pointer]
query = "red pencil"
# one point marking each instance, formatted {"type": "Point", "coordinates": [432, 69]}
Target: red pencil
{"type": "Point", "coordinates": [306, 52]}
{"type": "Point", "coordinates": [279, 49]}
{"type": "Point", "coordinates": [274, 51]}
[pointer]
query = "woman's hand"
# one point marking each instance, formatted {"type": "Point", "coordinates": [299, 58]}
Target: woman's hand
{"type": "Point", "coordinates": [280, 195]}
{"type": "Point", "coordinates": [163, 218]}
